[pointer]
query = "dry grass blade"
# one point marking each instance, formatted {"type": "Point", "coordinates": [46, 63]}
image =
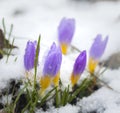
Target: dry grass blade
{"type": "Point", "coordinates": [4, 43]}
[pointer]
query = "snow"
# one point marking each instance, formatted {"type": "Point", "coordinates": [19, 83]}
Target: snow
{"type": "Point", "coordinates": [67, 109]}
{"type": "Point", "coordinates": [31, 18]}
{"type": "Point", "coordinates": [102, 101]}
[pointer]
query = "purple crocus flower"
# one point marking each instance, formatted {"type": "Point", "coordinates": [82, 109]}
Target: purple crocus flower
{"type": "Point", "coordinates": [96, 51]}
{"type": "Point", "coordinates": [52, 61]}
{"type": "Point", "coordinates": [80, 63]}
{"type": "Point", "coordinates": [98, 47]}
{"type": "Point", "coordinates": [51, 70]}
{"type": "Point", "coordinates": [66, 31]}
{"type": "Point", "coordinates": [29, 56]}
{"type": "Point", "coordinates": [79, 67]}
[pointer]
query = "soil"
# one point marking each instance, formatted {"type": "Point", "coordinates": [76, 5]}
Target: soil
{"type": "Point", "coordinates": [13, 88]}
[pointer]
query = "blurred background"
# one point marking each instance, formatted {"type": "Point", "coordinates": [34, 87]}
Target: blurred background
{"type": "Point", "coordinates": [33, 17]}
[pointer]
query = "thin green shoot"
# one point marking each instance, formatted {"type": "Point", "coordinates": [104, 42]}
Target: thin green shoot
{"type": "Point", "coordinates": [9, 52]}
{"type": "Point", "coordinates": [47, 95]}
{"type": "Point", "coordinates": [20, 93]}
{"type": "Point", "coordinates": [4, 27]}
{"type": "Point", "coordinates": [10, 32]}
{"type": "Point", "coordinates": [36, 61]}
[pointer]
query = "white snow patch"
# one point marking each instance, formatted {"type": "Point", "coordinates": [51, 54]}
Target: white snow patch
{"type": "Point", "coordinates": [67, 109]}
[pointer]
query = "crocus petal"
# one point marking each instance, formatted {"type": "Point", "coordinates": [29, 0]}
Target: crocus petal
{"type": "Point", "coordinates": [52, 65]}
{"type": "Point", "coordinates": [66, 31]}
{"type": "Point", "coordinates": [64, 48]}
{"type": "Point", "coordinates": [52, 61]}
{"type": "Point", "coordinates": [29, 56]}
{"type": "Point", "coordinates": [80, 63]}
{"type": "Point", "coordinates": [74, 79]}
{"type": "Point", "coordinates": [92, 64]}
{"type": "Point", "coordinates": [79, 67]}
{"type": "Point", "coordinates": [98, 47]}
{"type": "Point", "coordinates": [56, 79]}
{"type": "Point", "coordinates": [96, 51]}
{"type": "Point", "coordinates": [45, 82]}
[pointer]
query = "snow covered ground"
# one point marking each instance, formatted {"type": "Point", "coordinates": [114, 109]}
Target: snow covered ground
{"type": "Point", "coordinates": [33, 17]}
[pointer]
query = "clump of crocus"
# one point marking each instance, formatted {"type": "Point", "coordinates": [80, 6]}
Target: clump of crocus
{"type": "Point", "coordinates": [29, 56]}
{"type": "Point", "coordinates": [51, 69]}
{"type": "Point", "coordinates": [66, 31]}
{"type": "Point", "coordinates": [79, 67]}
{"type": "Point", "coordinates": [96, 51]}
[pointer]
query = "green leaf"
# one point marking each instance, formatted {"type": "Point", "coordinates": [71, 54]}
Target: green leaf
{"type": "Point", "coordinates": [46, 96]}
{"type": "Point", "coordinates": [57, 98]}
{"type": "Point", "coordinates": [36, 60]}
{"type": "Point", "coordinates": [81, 87]}
{"type": "Point", "coordinates": [65, 96]}
{"type": "Point", "coordinates": [11, 29]}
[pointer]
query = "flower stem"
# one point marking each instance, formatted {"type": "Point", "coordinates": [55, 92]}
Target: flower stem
{"type": "Point", "coordinates": [36, 61]}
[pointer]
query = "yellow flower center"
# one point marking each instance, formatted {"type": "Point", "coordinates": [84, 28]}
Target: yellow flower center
{"type": "Point", "coordinates": [56, 79]}
{"type": "Point", "coordinates": [45, 82]}
{"type": "Point", "coordinates": [92, 64]}
{"type": "Point", "coordinates": [64, 48]}
{"type": "Point", "coordinates": [74, 79]}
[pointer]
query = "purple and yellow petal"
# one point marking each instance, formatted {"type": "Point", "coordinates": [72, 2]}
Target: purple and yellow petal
{"type": "Point", "coordinates": [52, 61]}
{"type": "Point", "coordinates": [79, 67]}
{"type": "Point", "coordinates": [66, 31]}
{"type": "Point", "coordinates": [52, 66]}
{"type": "Point", "coordinates": [96, 51]}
